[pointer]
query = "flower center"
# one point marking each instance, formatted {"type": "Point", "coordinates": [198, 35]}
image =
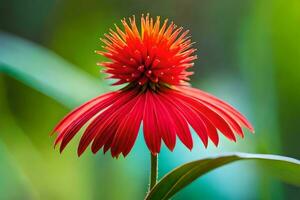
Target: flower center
{"type": "Point", "coordinates": [144, 74]}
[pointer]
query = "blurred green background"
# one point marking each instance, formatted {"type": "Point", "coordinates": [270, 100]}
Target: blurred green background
{"type": "Point", "coordinates": [249, 55]}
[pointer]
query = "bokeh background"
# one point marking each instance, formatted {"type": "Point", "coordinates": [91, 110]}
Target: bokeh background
{"type": "Point", "coordinates": [249, 55]}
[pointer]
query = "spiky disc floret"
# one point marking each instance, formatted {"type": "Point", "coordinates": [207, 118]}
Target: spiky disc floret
{"type": "Point", "coordinates": [155, 55]}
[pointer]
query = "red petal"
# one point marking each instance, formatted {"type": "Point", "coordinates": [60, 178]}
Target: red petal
{"type": "Point", "coordinates": [150, 125]}
{"type": "Point", "coordinates": [227, 117]}
{"type": "Point", "coordinates": [225, 106]}
{"type": "Point", "coordinates": [128, 129]}
{"type": "Point", "coordinates": [180, 124]}
{"type": "Point", "coordinates": [190, 115]}
{"type": "Point", "coordinates": [80, 119]}
{"type": "Point", "coordinates": [216, 119]}
{"type": "Point", "coordinates": [108, 143]}
{"type": "Point", "coordinates": [211, 130]}
{"type": "Point", "coordinates": [95, 126]}
{"type": "Point", "coordinates": [165, 122]}
{"type": "Point", "coordinates": [111, 124]}
{"type": "Point", "coordinates": [77, 111]}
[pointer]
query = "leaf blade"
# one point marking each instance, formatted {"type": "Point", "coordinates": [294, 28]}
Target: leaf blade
{"type": "Point", "coordinates": [187, 173]}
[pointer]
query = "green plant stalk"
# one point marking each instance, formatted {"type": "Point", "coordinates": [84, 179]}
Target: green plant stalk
{"type": "Point", "coordinates": [153, 172]}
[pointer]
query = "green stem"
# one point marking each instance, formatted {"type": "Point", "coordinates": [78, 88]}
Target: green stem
{"type": "Point", "coordinates": [153, 173]}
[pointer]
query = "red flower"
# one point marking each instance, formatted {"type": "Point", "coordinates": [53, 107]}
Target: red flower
{"type": "Point", "coordinates": [153, 64]}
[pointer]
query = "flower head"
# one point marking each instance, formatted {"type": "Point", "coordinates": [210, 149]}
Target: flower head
{"type": "Point", "coordinates": [157, 55]}
{"type": "Point", "coordinates": [153, 64]}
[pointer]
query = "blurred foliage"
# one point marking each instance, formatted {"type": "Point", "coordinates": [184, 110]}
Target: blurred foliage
{"type": "Point", "coordinates": [57, 78]}
{"type": "Point", "coordinates": [249, 55]}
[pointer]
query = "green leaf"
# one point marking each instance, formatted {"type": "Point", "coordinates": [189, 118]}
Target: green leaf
{"type": "Point", "coordinates": [45, 71]}
{"type": "Point", "coordinates": [288, 169]}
